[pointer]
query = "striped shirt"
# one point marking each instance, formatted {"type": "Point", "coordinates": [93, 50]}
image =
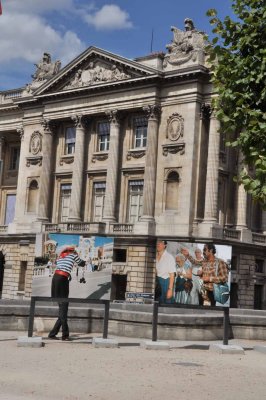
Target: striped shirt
{"type": "Point", "coordinates": [66, 264]}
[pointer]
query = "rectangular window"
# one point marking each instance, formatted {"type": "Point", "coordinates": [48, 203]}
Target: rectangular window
{"type": "Point", "coordinates": [10, 208]}
{"type": "Point", "coordinates": [140, 132]}
{"type": "Point", "coordinates": [103, 136]}
{"type": "Point", "coordinates": [135, 203]}
{"type": "Point", "coordinates": [98, 200]}
{"type": "Point", "coordinates": [259, 266]}
{"type": "Point", "coordinates": [70, 139]}
{"type": "Point", "coordinates": [14, 158]}
{"type": "Point", "coordinates": [65, 194]}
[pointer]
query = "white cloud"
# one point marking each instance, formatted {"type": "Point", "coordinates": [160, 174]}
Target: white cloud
{"type": "Point", "coordinates": [109, 17]}
{"type": "Point", "coordinates": [37, 6]}
{"type": "Point", "coordinates": [32, 36]}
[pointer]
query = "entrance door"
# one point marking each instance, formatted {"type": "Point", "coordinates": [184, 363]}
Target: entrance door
{"type": "Point", "coordinates": [2, 266]}
{"type": "Point", "coordinates": [119, 286]}
{"type": "Point", "coordinates": [258, 297]}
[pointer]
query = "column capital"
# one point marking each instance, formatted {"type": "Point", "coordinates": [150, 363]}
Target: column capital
{"type": "Point", "coordinates": [20, 130]}
{"type": "Point", "coordinates": [2, 140]}
{"type": "Point", "coordinates": [153, 111]}
{"type": "Point", "coordinates": [48, 125]}
{"type": "Point", "coordinates": [113, 116]}
{"type": "Point", "coordinates": [80, 121]}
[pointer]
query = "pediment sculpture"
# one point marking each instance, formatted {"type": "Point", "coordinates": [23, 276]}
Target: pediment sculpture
{"type": "Point", "coordinates": [187, 45]}
{"type": "Point", "coordinates": [97, 72]}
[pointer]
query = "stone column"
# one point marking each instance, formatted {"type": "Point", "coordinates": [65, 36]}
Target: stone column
{"type": "Point", "coordinates": [241, 201]}
{"type": "Point", "coordinates": [112, 168]}
{"type": "Point", "coordinates": [21, 186]}
{"type": "Point", "coordinates": [45, 194]}
{"type": "Point", "coordinates": [78, 168]}
{"type": "Point", "coordinates": [149, 189]}
{"type": "Point", "coordinates": [263, 222]}
{"type": "Point", "coordinates": [211, 193]}
{"type": "Point", "coordinates": [2, 143]}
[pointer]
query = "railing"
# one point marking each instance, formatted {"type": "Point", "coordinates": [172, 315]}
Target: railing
{"type": "Point", "coordinates": [92, 227]}
{"type": "Point", "coordinates": [259, 238]}
{"type": "Point", "coordinates": [121, 228]}
{"type": "Point", "coordinates": [3, 228]}
{"type": "Point", "coordinates": [231, 234]}
{"type": "Point", "coordinates": [8, 96]}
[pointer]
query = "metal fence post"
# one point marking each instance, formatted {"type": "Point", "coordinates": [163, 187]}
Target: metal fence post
{"type": "Point", "coordinates": [106, 318]}
{"type": "Point", "coordinates": [226, 324]}
{"type": "Point", "coordinates": [31, 317]}
{"type": "Point", "coordinates": [155, 320]}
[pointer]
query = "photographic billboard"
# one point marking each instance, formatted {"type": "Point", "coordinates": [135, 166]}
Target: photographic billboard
{"type": "Point", "coordinates": [193, 273]}
{"type": "Point", "coordinates": [93, 281]}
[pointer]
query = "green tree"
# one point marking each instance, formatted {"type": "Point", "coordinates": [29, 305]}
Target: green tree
{"type": "Point", "coordinates": [238, 57]}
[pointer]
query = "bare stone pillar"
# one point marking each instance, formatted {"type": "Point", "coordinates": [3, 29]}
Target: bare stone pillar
{"type": "Point", "coordinates": [45, 196]}
{"type": "Point", "coordinates": [149, 190]}
{"type": "Point", "coordinates": [211, 194]}
{"type": "Point", "coordinates": [78, 167]}
{"type": "Point", "coordinates": [241, 205]}
{"type": "Point", "coordinates": [112, 168]}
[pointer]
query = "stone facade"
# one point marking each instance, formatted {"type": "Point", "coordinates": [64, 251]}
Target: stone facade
{"type": "Point", "coordinates": [128, 149]}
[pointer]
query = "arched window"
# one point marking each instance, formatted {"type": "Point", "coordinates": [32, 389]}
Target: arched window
{"type": "Point", "coordinates": [172, 186]}
{"type": "Point", "coordinates": [33, 196]}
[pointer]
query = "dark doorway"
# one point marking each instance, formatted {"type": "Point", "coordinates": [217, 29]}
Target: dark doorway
{"type": "Point", "coordinates": [2, 267]}
{"type": "Point", "coordinates": [234, 295]}
{"type": "Point", "coordinates": [258, 297]}
{"type": "Point", "coordinates": [118, 287]}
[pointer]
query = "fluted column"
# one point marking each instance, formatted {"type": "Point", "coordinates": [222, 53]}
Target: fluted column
{"type": "Point", "coordinates": [149, 189]}
{"type": "Point", "coordinates": [45, 194]}
{"type": "Point", "coordinates": [241, 205]}
{"type": "Point", "coordinates": [78, 167]}
{"type": "Point", "coordinates": [211, 194]}
{"type": "Point", "coordinates": [112, 168]}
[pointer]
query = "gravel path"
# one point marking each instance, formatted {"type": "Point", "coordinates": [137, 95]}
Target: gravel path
{"type": "Point", "coordinates": [76, 371]}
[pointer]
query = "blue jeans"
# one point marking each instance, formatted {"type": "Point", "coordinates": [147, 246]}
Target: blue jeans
{"type": "Point", "coordinates": [164, 284]}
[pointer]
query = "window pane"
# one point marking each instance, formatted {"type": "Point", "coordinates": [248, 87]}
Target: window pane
{"type": "Point", "coordinates": [70, 139]}
{"type": "Point", "coordinates": [103, 136]}
{"type": "Point", "coordinates": [10, 208]}
{"type": "Point", "coordinates": [14, 158]}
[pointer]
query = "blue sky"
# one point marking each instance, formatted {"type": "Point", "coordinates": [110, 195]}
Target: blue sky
{"type": "Point", "coordinates": [65, 28]}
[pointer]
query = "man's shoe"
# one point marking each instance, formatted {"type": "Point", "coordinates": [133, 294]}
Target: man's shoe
{"type": "Point", "coordinates": [66, 339]}
{"type": "Point", "coordinates": [53, 337]}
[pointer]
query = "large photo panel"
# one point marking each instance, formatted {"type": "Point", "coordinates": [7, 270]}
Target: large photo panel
{"type": "Point", "coordinates": [92, 281]}
{"type": "Point", "coordinates": [193, 273]}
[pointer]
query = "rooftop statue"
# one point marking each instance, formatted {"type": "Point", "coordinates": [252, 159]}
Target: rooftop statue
{"type": "Point", "coordinates": [46, 68]}
{"type": "Point", "coordinates": [187, 45]}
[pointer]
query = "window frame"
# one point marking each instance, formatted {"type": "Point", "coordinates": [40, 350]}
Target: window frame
{"type": "Point", "coordinates": [103, 138]}
{"type": "Point", "coordinates": [70, 142]}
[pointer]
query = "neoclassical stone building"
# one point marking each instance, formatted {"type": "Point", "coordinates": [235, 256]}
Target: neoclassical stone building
{"type": "Point", "coordinates": [128, 149]}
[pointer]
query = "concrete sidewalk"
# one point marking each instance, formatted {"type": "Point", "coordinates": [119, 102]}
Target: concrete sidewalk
{"type": "Point", "coordinates": [78, 371]}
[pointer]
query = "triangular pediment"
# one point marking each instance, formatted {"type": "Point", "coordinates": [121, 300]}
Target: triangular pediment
{"type": "Point", "coordinates": [95, 67]}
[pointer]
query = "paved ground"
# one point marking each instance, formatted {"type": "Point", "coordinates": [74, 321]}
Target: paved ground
{"type": "Point", "coordinates": [78, 371]}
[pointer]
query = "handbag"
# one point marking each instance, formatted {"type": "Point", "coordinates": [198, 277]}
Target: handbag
{"type": "Point", "coordinates": [179, 284]}
{"type": "Point", "coordinates": [221, 291]}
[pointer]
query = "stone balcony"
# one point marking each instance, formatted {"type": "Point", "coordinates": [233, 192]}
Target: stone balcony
{"type": "Point", "coordinates": [89, 227]}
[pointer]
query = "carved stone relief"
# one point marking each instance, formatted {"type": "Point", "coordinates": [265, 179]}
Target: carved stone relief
{"type": "Point", "coordinates": [186, 45]}
{"type": "Point", "coordinates": [175, 127]}
{"type": "Point", "coordinates": [97, 72]}
{"type": "Point", "coordinates": [35, 143]}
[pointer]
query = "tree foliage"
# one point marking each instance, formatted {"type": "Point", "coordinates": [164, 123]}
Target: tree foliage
{"type": "Point", "coordinates": [238, 57]}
